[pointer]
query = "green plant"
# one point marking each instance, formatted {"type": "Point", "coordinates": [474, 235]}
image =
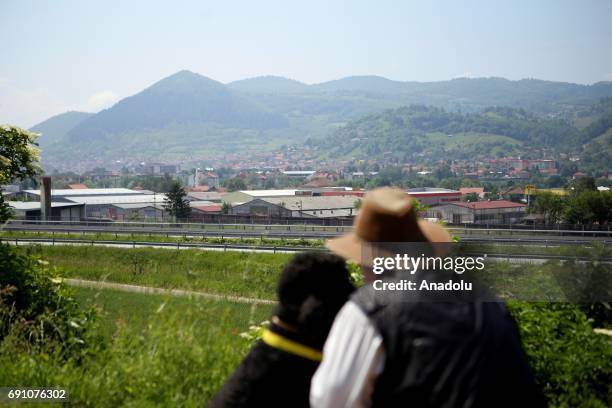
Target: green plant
{"type": "Point", "coordinates": [571, 362]}
{"type": "Point", "coordinates": [18, 160]}
{"type": "Point", "coordinates": [37, 310]}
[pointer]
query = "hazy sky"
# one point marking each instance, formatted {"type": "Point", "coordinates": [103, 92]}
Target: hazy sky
{"type": "Point", "coordinates": [85, 55]}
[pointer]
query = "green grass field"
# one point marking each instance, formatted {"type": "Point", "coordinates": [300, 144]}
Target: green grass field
{"type": "Point", "coordinates": [135, 311]}
{"type": "Point", "coordinates": [246, 274]}
{"type": "Point", "coordinates": [159, 351]}
{"type": "Point", "coordinates": [254, 275]}
{"type": "Point", "coordinates": [156, 350]}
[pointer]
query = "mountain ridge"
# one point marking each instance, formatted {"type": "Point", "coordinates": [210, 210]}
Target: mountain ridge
{"type": "Point", "coordinates": [187, 114]}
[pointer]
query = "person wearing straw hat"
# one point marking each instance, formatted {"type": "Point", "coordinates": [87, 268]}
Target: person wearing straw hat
{"type": "Point", "coordinates": [388, 349]}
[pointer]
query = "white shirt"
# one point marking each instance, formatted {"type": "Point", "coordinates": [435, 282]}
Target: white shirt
{"type": "Point", "coordinates": [353, 358]}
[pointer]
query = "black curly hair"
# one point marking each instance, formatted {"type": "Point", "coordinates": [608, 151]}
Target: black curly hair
{"type": "Point", "coordinates": [311, 290]}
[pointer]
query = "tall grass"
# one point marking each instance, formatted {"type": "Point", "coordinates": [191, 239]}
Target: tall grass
{"type": "Point", "coordinates": [246, 274]}
{"type": "Point", "coordinates": [159, 352]}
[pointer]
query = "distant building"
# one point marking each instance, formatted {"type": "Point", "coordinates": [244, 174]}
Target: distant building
{"type": "Point", "coordinates": [67, 194]}
{"type": "Point", "coordinates": [433, 196]}
{"type": "Point", "coordinates": [212, 196]}
{"type": "Point", "coordinates": [59, 211]}
{"type": "Point", "coordinates": [244, 196]}
{"type": "Point", "coordinates": [515, 194]}
{"type": "Point", "coordinates": [479, 191]}
{"type": "Point", "coordinates": [299, 206]}
{"type": "Point", "coordinates": [135, 211]}
{"type": "Point", "coordinates": [161, 168]}
{"type": "Point", "coordinates": [482, 212]}
{"type": "Point", "coordinates": [318, 183]}
{"type": "Point", "coordinates": [199, 208]}
{"type": "Point", "coordinates": [361, 176]}
{"type": "Point", "coordinates": [299, 173]}
{"type": "Point", "coordinates": [77, 186]}
{"type": "Point", "coordinates": [115, 206]}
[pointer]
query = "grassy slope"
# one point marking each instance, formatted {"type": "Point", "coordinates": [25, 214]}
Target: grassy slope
{"type": "Point", "coordinates": [255, 274]}
{"type": "Point", "coordinates": [121, 310]}
{"type": "Point", "coordinates": [176, 352]}
{"type": "Point", "coordinates": [175, 355]}
{"type": "Point", "coordinates": [233, 273]}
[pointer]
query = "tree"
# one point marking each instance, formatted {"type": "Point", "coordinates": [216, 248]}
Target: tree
{"type": "Point", "coordinates": [550, 205]}
{"type": "Point", "coordinates": [470, 197]}
{"type": "Point", "coordinates": [584, 184]}
{"type": "Point", "coordinates": [19, 157]}
{"type": "Point", "coordinates": [226, 208]}
{"type": "Point", "coordinates": [37, 310]}
{"type": "Point", "coordinates": [588, 207]}
{"type": "Point", "coordinates": [176, 203]}
{"type": "Point", "coordinates": [235, 184]}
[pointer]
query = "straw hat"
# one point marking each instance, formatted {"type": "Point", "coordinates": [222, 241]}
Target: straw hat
{"type": "Point", "coordinates": [387, 215]}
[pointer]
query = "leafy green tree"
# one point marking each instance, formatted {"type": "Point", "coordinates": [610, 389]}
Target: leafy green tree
{"type": "Point", "coordinates": [453, 183]}
{"type": "Point", "coordinates": [588, 207]}
{"type": "Point", "coordinates": [550, 205]}
{"type": "Point", "coordinates": [176, 202]}
{"type": "Point", "coordinates": [235, 184]}
{"type": "Point", "coordinates": [38, 312]}
{"type": "Point", "coordinates": [584, 184]}
{"type": "Point", "coordinates": [555, 181]}
{"type": "Point", "coordinates": [226, 208]}
{"type": "Point", "coordinates": [19, 157]}
{"type": "Point", "coordinates": [471, 197]}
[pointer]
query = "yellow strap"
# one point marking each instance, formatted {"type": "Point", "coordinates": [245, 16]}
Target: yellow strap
{"type": "Point", "coordinates": [290, 346]}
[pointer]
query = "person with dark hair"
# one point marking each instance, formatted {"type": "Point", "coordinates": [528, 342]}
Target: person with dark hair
{"type": "Point", "coordinates": [278, 369]}
{"type": "Point", "coordinates": [396, 349]}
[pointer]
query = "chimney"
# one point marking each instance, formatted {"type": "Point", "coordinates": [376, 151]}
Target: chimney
{"type": "Point", "coordinates": [45, 198]}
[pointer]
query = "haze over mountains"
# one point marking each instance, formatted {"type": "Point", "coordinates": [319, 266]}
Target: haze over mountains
{"type": "Point", "coordinates": [187, 116]}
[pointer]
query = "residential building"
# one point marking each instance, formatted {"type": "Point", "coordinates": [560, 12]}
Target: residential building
{"type": "Point", "coordinates": [479, 191]}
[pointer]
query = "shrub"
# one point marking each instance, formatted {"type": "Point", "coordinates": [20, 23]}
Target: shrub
{"type": "Point", "coordinates": [571, 362]}
{"type": "Point", "coordinates": [37, 310]}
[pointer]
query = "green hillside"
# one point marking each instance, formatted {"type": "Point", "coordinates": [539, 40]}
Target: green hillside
{"type": "Point", "coordinates": [55, 128]}
{"type": "Point", "coordinates": [413, 131]}
{"type": "Point", "coordinates": [183, 98]}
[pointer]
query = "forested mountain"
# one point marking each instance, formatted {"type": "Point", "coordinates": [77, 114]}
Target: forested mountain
{"type": "Point", "coordinates": [596, 135]}
{"type": "Point", "coordinates": [412, 131]}
{"type": "Point", "coordinates": [183, 98]}
{"type": "Point", "coordinates": [187, 115]}
{"type": "Point", "coordinates": [54, 128]}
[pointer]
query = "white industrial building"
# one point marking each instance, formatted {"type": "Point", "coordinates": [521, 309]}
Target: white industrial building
{"type": "Point", "coordinates": [299, 206]}
{"type": "Point", "coordinates": [59, 211]}
{"type": "Point", "coordinates": [482, 212]}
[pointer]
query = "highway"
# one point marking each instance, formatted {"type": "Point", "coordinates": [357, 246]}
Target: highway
{"type": "Point", "coordinates": [513, 258]}
{"type": "Point", "coordinates": [471, 235]}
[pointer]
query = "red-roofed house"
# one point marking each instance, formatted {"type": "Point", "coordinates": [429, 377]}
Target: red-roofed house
{"type": "Point", "coordinates": [482, 212]}
{"type": "Point", "coordinates": [77, 186]}
{"type": "Point", "coordinates": [479, 191]}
